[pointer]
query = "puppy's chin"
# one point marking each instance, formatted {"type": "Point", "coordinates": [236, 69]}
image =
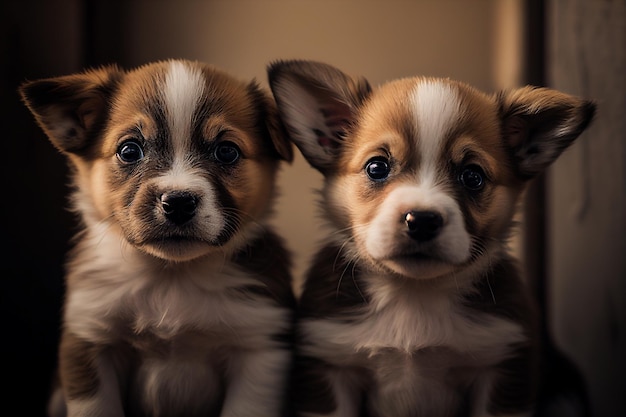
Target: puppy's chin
{"type": "Point", "coordinates": [418, 267]}
{"type": "Point", "coordinates": [188, 248]}
{"type": "Point", "coordinates": [179, 250]}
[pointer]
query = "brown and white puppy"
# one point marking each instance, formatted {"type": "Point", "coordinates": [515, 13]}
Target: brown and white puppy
{"type": "Point", "coordinates": [179, 300]}
{"type": "Point", "coordinates": [413, 307]}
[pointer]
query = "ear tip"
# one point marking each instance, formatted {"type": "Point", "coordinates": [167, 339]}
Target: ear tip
{"type": "Point", "coordinates": [280, 65]}
{"type": "Point", "coordinates": [588, 111]}
{"type": "Point", "coordinates": [590, 108]}
{"type": "Point", "coordinates": [277, 69]}
{"type": "Point", "coordinates": [34, 92]}
{"type": "Point", "coordinates": [26, 87]}
{"type": "Point", "coordinates": [22, 90]}
{"type": "Point", "coordinates": [288, 154]}
{"type": "Point", "coordinates": [274, 66]}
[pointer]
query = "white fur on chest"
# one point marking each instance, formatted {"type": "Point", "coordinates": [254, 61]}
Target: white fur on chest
{"type": "Point", "coordinates": [406, 321]}
{"type": "Point", "coordinates": [115, 285]}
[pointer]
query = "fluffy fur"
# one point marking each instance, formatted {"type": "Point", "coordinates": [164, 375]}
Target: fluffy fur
{"type": "Point", "coordinates": [413, 306]}
{"type": "Point", "coordinates": [179, 297]}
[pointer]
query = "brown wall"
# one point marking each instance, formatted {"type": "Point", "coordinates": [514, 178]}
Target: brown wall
{"type": "Point", "coordinates": [587, 199]}
{"type": "Point", "coordinates": [37, 39]}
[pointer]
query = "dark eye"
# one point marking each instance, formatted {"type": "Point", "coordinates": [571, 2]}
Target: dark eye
{"type": "Point", "coordinates": [227, 152]}
{"type": "Point", "coordinates": [130, 152]}
{"type": "Point", "coordinates": [377, 168]}
{"type": "Point", "coordinates": [473, 178]}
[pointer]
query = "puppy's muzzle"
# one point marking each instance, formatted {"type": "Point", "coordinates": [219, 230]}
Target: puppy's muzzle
{"type": "Point", "coordinates": [179, 206]}
{"type": "Point", "coordinates": [423, 225]}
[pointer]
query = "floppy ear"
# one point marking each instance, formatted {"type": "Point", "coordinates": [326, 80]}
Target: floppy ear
{"type": "Point", "coordinates": [317, 103]}
{"type": "Point", "coordinates": [70, 108]}
{"type": "Point", "coordinates": [539, 124]}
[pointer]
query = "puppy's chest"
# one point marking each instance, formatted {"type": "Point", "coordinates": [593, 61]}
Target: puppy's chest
{"type": "Point", "coordinates": [179, 320]}
{"type": "Point", "coordinates": [423, 326]}
{"type": "Point", "coordinates": [171, 310]}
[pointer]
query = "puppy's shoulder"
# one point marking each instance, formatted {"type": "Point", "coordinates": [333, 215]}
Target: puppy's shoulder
{"type": "Point", "coordinates": [334, 285]}
{"type": "Point", "coordinates": [501, 291]}
{"type": "Point", "coordinates": [267, 259]}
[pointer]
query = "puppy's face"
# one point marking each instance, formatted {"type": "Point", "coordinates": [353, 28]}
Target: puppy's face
{"type": "Point", "coordinates": [422, 183]}
{"type": "Point", "coordinates": [422, 175]}
{"type": "Point", "coordinates": [178, 157]}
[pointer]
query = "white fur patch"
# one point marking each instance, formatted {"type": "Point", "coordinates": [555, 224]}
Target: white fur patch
{"type": "Point", "coordinates": [183, 89]}
{"type": "Point", "coordinates": [436, 107]}
{"type": "Point", "coordinates": [177, 382]}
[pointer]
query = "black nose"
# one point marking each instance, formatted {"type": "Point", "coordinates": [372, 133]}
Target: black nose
{"type": "Point", "coordinates": [423, 225]}
{"type": "Point", "coordinates": [179, 206]}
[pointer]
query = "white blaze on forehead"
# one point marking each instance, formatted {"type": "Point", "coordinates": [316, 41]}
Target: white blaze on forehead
{"type": "Point", "coordinates": [436, 107]}
{"type": "Point", "coordinates": [182, 93]}
{"type": "Point", "coordinates": [183, 89]}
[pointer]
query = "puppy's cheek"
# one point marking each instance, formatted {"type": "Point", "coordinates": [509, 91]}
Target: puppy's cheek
{"type": "Point", "coordinates": [346, 207]}
{"type": "Point", "coordinates": [493, 218]}
{"type": "Point", "coordinates": [138, 216]}
{"type": "Point", "coordinates": [383, 234]}
{"type": "Point", "coordinates": [454, 242]}
{"type": "Point", "coordinates": [252, 188]}
{"type": "Point", "coordinates": [100, 189]}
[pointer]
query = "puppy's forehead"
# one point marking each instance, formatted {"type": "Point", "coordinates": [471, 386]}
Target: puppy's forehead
{"type": "Point", "coordinates": [429, 115]}
{"type": "Point", "coordinates": [435, 107]}
{"type": "Point", "coordinates": [181, 92]}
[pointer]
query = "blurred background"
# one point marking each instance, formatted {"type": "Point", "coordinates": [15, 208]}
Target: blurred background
{"type": "Point", "coordinates": [573, 222]}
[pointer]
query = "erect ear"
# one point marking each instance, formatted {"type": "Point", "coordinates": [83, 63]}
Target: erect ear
{"type": "Point", "coordinates": [71, 107]}
{"type": "Point", "coordinates": [539, 124]}
{"type": "Point", "coordinates": [318, 104]}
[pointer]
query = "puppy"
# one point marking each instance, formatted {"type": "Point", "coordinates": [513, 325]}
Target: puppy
{"type": "Point", "coordinates": [179, 299]}
{"type": "Point", "coordinates": [413, 307]}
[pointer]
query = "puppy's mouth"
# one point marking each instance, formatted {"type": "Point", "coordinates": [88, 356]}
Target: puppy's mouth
{"type": "Point", "coordinates": [176, 240]}
{"type": "Point", "coordinates": [418, 258]}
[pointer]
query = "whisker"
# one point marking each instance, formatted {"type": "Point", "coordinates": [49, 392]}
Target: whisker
{"type": "Point", "coordinates": [343, 245]}
{"type": "Point", "coordinates": [341, 279]}
{"type": "Point", "coordinates": [350, 255]}
{"type": "Point", "coordinates": [356, 284]}
{"type": "Point", "coordinates": [493, 296]}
